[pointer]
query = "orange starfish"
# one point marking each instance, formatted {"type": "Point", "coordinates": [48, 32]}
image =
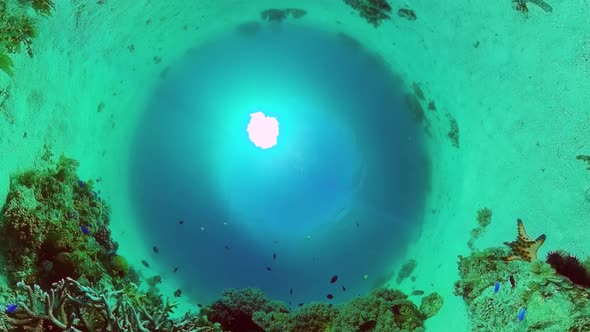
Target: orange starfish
{"type": "Point", "coordinates": [524, 248]}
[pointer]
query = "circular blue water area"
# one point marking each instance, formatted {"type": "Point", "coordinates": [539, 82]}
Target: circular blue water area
{"type": "Point", "coordinates": [340, 193]}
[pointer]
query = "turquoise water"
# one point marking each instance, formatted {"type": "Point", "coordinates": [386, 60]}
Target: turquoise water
{"type": "Point", "coordinates": [337, 195]}
{"type": "Point", "coordinates": [430, 171]}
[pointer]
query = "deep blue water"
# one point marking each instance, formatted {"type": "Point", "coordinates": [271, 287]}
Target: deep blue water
{"type": "Point", "coordinates": [341, 193]}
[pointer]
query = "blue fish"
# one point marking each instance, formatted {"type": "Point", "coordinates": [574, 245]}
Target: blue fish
{"type": "Point", "coordinates": [497, 287]}
{"type": "Point", "coordinates": [80, 183]}
{"type": "Point", "coordinates": [11, 308]}
{"type": "Point", "coordinates": [85, 230]}
{"type": "Point", "coordinates": [521, 314]}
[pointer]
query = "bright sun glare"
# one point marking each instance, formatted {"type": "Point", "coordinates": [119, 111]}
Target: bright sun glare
{"type": "Point", "coordinates": [263, 130]}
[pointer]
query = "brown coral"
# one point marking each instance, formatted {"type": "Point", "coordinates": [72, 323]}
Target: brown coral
{"type": "Point", "coordinates": [524, 247]}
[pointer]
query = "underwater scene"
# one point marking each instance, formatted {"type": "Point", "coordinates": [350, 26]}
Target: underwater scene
{"type": "Point", "coordinates": [294, 166]}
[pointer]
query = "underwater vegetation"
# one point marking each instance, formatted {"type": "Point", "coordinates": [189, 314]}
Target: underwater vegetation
{"type": "Point", "coordinates": [279, 15]}
{"type": "Point", "coordinates": [484, 218]}
{"type": "Point", "coordinates": [17, 29]}
{"type": "Point", "coordinates": [509, 290]}
{"type": "Point", "coordinates": [381, 310]}
{"type": "Point", "coordinates": [64, 274]}
{"type": "Point", "coordinates": [54, 225]}
{"type": "Point", "coordinates": [374, 11]}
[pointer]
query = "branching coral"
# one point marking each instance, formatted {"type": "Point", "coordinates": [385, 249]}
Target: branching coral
{"type": "Point", "coordinates": [74, 307]}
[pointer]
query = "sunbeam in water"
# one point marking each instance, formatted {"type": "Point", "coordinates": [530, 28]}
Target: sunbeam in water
{"type": "Point", "coordinates": [283, 168]}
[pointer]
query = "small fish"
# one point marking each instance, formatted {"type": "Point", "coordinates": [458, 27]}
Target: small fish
{"type": "Point", "coordinates": [300, 305]}
{"type": "Point", "coordinates": [334, 279]}
{"type": "Point", "coordinates": [329, 296]}
{"type": "Point", "coordinates": [418, 292]}
{"type": "Point", "coordinates": [85, 230]}
{"type": "Point", "coordinates": [268, 268]}
{"type": "Point", "coordinates": [180, 222]}
{"type": "Point", "coordinates": [521, 314]}
{"type": "Point", "coordinates": [274, 256]}
{"type": "Point", "coordinates": [175, 270]}
{"type": "Point", "coordinates": [512, 281]}
{"type": "Point", "coordinates": [177, 293]}
{"type": "Point", "coordinates": [291, 291]}
{"type": "Point", "coordinates": [227, 248]}
{"type": "Point", "coordinates": [199, 305]}
{"type": "Point", "coordinates": [146, 264]}
{"type": "Point", "coordinates": [343, 289]}
{"type": "Point", "coordinates": [11, 308]}
{"type": "Point", "coordinates": [276, 242]}
{"type": "Point", "coordinates": [156, 249]}
{"type": "Point", "coordinates": [202, 228]}
{"type": "Point", "coordinates": [365, 277]}
{"type": "Point", "coordinates": [496, 287]}
{"type": "Point", "coordinates": [80, 183]}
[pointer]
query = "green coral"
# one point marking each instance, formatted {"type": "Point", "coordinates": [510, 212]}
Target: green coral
{"type": "Point", "coordinates": [431, 304]}
{"type": "Point", "coordinates": [311, 317]}
{"type": "Point", "coordinates": [41, 224]}
{"type": "Point", "coordinates": [384, 310]}
{"type": "Point", "coordinates": [484, 217]}
{"type": "Point", "coordinates": [119, 266]}
{"type": "Point", "coordinates": [235, 309]}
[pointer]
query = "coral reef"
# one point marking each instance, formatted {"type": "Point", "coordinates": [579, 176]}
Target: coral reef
{"type": "Point", "coordinates": [374, 11]}
{"type": "Point", "coordinates": [235, 308]}
{"type": "Point", "coordinates": [74, 307]}
{"type": "Point", "coordinates": [279, 15]}
{"type": "Point", "coordinates": [55, 226]}
{"type": "Point", "coordinates": [67, 276]}
{"type": "Point", "coordinates": [43, 7]}
{"type": "Point", "coordinates": [484, 218]}
{"type": "Point", "coordinates": [522, 293]}
{"type": "Point", "coordinates": [17, 29]}
{"type": "Point", "coordinates": [382, 310]}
